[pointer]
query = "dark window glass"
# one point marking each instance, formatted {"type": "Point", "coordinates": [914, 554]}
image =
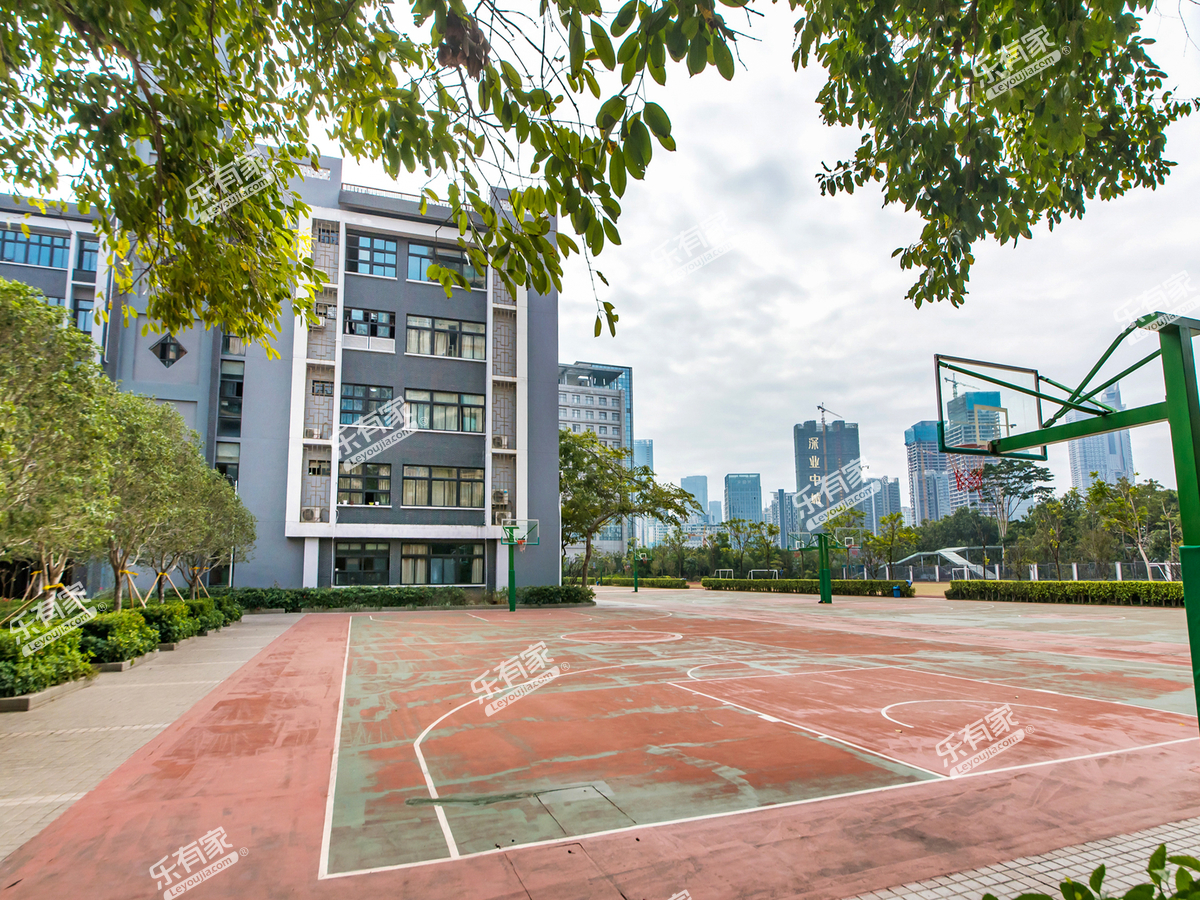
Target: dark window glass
{"type": "Point", "coordinates": [367, 484]}
{"type": "Point", "coordinates": [88, 253]}
{"type": "Point", "coordinates": [360, 400]}
{"type": "Point", "coordinates": [232, 345]}
{"type": "Point", "coordinates": [446, 337]}
{"type": "Point", "coordinates": [83, 314]}
{"type": "Point", "coordinates": [441, 563]}
{"type": "Point", "coordinates": [442, 411]}
{"type": "Point", "coordinates": [443, 486]}
{"type": "Point", "coordinates": [421, 257]}
{"type": "Point", "coordinates": [371, 255]}
{"type": "Point", "coordinates": [228, 455]}
{"type": "Point", "coordinates": [229, 409]}
{"type": "Point", "coordinates": [319, 467]}
{"type": "Point", "coordinates": [369, 323]}
{"type": "Point", "coordinates": [361, 562]}
{"type": "Point", "coordinates": [34, 249]}
{"type": "Point", "coordinates": [168, 350]}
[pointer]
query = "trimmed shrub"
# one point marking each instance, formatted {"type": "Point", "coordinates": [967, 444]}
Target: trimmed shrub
{"type": "Point", "coordinates": [118, 636]}
{"type": "Point", "coordinates": [170, 620]}
{"type": "Point", "coordinates": [850, 587]}
{"type": "Point", "coordinates": [549, 594]}
{"type": "Point", "coordinates": [55, 663]}
{"type": "Point", "coordinates": [627, 581]}
{"type": "Point", "coordinates": [295, 599]}
{"type": "Point", "coordinates": [205, 612]}
{"type": "Point", "coordinates": [1120, 593]}
{"type": "Point", "coordinates": [229, 608]}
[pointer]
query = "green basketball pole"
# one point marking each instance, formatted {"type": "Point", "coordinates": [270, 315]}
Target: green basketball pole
{"type": "Point", "coordinates": [512, 578]}
{"type": "Point", "coordinates": [826, 577]}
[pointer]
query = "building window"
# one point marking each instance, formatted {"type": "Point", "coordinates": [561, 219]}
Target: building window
{"type": "Point", "coordinates": [34, 249]}
{"type": "Point", "coordinates": [371, 255]}
{"type": "Point", "coordinates": [229, 411]}
{"type": "Point", "coordinates": [322, 388]}
{"type": "Point", "coordinates": [228, 455]}
{"type": "Point", "coordinates": [562, 398]}
{"type": "Point", "coordinates": [361, 563]}
{"type": "Point", "coordinates": [603, 414]}
{"type": "Point", "coordinates": [421, 257]}
{"type": "Point", "coordinates": [443, 486]}
{"type": "Point", "coordinates": [441, 563]}
{"type": "Point", "coordinates": [83, 314]}
{"type": "Point", "coordinates": [446, 337]}
{"type": "Point", "coordinates": [591, 414]}
{"type": "Point", "coordinates": [574, 398]}
{"type": "Point", "coordinates": [369, 323]}
{"type": "Point", "coordinates": [367, 484]}
{"type": "Point", "coordinates": [441, 411]}
{"type": "Point", "coordinates": [591, 400]}
{"type": "Point", "coordinates": [603, 429]}
{"type": "Point", "coordinates": [168, 350]}
{"type": "Point", "coordinates": [575, 428]}
{"type": "Point", "coordinates": [360, 400]}
{"type": "Point", "coordinates": [575, 415]}
{"type": "Point", "coordinates": [319, 467]}
{"type": "Point", "coordinates": [232, 345]}
{"type": "Point", "coordinates": [562, 413]}
{"type": "Point", "coordinates": [604, 401]}
{"type": "Point", "coordinates": [89, 250]}
{"type": "Point", "coordinates": [592, 428]}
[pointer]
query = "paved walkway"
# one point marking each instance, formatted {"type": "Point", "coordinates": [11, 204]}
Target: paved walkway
{"type": "Point", "coordinates": [54, 754]}
{"type": "Point", "coordinates": [1124, 858]}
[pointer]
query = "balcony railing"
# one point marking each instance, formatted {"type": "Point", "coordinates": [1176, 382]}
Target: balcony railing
{"type": "Point", "coordinates": [381, 192]}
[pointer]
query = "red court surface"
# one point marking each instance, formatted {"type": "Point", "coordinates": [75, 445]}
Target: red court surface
{"type": "Point", "coordinates": [734, 746]}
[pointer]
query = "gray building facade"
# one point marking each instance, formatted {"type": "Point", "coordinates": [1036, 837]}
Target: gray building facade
{"type": "Point", "coordinates": [823, 448]}
{"type": "Point", "coordinates": [476, 373]}
{"type": "Point", "coordinates": [1110, 455]}
{"type": "Point", "coordinates": [697, 486]}
{"type": "Point", "coordinates": [743, 497]}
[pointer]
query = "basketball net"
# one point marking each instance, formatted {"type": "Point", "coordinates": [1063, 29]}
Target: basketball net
{"type": "Point", "coordinates": [521, 544]}
{"type": "Point", "coordinates": [968, 472]}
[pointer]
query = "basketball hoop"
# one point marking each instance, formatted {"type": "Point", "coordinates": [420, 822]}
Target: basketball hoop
{"type": "Point", "coordinates": [968, 471]}
{"type": "Point", "coordinates": [521, 544]}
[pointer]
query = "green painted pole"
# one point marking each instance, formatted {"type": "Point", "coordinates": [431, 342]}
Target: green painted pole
{"type": "Point", "coordinates": [1183, 413]}
{"type": "Point", "coordinates": [512, 578]}
{"type": "Point", "coordinates": [826, 577]}
{"type": "Point", "coordinates": [635, 590]}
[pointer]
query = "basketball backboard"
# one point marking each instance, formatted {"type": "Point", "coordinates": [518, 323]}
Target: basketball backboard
{"type": "Point", "coordinates": [981, 402]}
{"type": "Point", "coordinates": [522, 532]}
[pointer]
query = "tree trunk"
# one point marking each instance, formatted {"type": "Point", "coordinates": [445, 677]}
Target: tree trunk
{"type": "Point", "coordinates": [587, 559]}
{"type": "Point", "coordinates": [1146, 560]}
{"type": "Point", "coordinates": [118, 565]}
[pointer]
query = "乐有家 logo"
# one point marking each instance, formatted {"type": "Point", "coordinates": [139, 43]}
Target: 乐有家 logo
{"type": "Point", "coordinates": [528, 662]}
{"type": "Point", "coordinates": [987, 730]}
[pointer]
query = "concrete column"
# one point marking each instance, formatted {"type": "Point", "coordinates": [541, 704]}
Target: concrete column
{"type": "Point", "coordinates": [312, 553]}
{"type": "Point", "coordinates": [1033, 572]}
{"type": "Point", "coordinates": [1074, 571]}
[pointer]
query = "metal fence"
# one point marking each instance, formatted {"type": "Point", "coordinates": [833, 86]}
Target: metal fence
{"type": "Point", "coordinates": [1067, 571]}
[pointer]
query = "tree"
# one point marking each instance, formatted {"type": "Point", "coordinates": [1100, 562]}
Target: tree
{"type": "Point", "coordinates": [53, 424]}
{"type": "Point", "coordinates": [185, 495]}
{"type": "Point", "coordinates": [764, 537]}
{"type": "Point", "coordinates": [675, 543]}
{"type": "Point", "coordinates": [598, 486]}
{"type": "Point", "coordinates": [1048, 521]}
{"type": "Point", "coordinates": [1124, 508]}
{"type": "Point", "coordinates": [141, 105]}
{"type": "Point", "coordinates": [224, 531]}
{"type": "Point", "coordinates": [894, 539]}
{"type": "Point", "coordinates": [740, 533]}
{"type": "Point", "coordinates": [1008, 483]}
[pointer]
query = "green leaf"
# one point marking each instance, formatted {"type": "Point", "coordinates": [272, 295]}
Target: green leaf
{"type": "Point", "coordinates": [624, 19]}
{"type": "Point", "coordinates": [1190, 861]}
{"type": "Point", "coordinates": [614, 237]}
{"type": "Point", "coordinates": [616, 172]}
{"type": "Point", "coordinates": [1140, 892]}
{"type": "Point", "coordinates": [639, 143]}
{"type": "Point", "coordinates": [600, 275]}
{"type": "Point", "coordinates": [723, 58]}
{"type": "Point", "coordinates": [611, 112]}
{"type": "Point", "coordinates": [599, 326]}
{"type": "Point", "coordinates": [1097, 878]}
{"type": "Point", "coordinates": [657, 119]}
{"type": "Point", "coordinates": [1158, 862]}
{"type": "Point", "coordinates": [677, 42]}
{"type": "Point", "coordinates": [604, 47]}
{"type": "Point", "coordinates": [697, 57]}
{"type": "Point", "coordinates": [577, 47]}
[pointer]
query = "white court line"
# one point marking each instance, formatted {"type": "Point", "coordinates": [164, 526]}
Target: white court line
{"type": "Point", "coordinates": [480, 618]}
{"type": "Point", "coordinates": [1044, 691]}
{"type": "Point", "coordinates": [54, 798]}
{"type": "Point", "coordinates": [323, 864]}
{"type": "Point", "coordinates": [884, 712]}
{"type": "Point", "coordinates": [819, 734]}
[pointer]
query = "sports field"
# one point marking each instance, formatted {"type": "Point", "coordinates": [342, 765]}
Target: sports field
{"type": "Point", "coordinates": [730, 745]}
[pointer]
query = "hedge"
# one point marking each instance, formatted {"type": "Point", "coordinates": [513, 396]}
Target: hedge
{"type": "Point", "coordinates": [1122, 593]}
{"type": "Point", "coordinates": [117, 636]}
{"type": "Point", "coordinates": [56, 663]}
{"type": "Point", "coordinates": [845, 587]}
{"type": "Point", "coordinates": [295, 599]}
{"type": "Point", "coordinates": [206, 613]}
{"type": "Point", "coordinates": [229, 607]}
{"type": "Point", "coordinates": [170, 620]}
{"type": "Point", "coordinates": [627, 581]}
{"type": "Point", "coordinates": [549, 594]}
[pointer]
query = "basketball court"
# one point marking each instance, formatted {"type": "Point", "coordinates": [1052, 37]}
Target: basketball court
{"type": "Point", "coordinates": [726, 744]}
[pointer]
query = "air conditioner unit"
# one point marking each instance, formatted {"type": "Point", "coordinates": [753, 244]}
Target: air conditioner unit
{"type": "Point", "coordinates": [499, 498]}
{"type": "Point", "coordinates": [310, 514]}
{"type": "Point", "coordinates": [499, 441]}
{"type": "Point", "coordinates": [324, 513]}
{"type": "Point", "coordinates": [310, 433]}
{"type": "Point", "coordinates": [499, 517]}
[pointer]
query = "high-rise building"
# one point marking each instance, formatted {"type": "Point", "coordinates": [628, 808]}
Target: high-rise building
{"type": "Point", "coordinates": [697, 486]}
{"type": "Point", "coordinates": [475, 371]}
{"type": "Point", "coordinates": [743, 497]}
{"type": "Point", "coordinates": [598, 398]}
{"type": "Point", "coordinates": [643, 453]}
{"type": "Point", "coordinates": [822, 449]}
{"type": "Point", "coordinates": [928, 473]}
{"type": "Point", "coordinates": [784, 514]}
{"type": "Point", "coordinates": [1108, 455]}
{"type": "Point", "coordinates": [714, 512]}
{"type": "Point", "coordinates": [882, 503]}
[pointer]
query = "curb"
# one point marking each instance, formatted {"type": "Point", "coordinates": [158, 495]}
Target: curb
{"type": "Point", "coordinates": [26, 702]}
{"type": "Point", "coordinates": [122, 666]}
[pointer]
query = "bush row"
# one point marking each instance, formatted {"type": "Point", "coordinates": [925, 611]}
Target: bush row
{"type": "Point", "coordinates": [627, 581]}
{"type": "Point", "coordinates": [296, 599]}
{"type": "Point", "coordinates": [550, 594]}
{"type": "Point", "coordinates": [108, 637]}
{"type": "Point", "coordinates": [1122, 593]}
{"type": "Point", "coordinates": [845, 587]}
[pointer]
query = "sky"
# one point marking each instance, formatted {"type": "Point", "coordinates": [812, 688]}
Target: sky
{"type": "Point", "coordinates": [807, 306]}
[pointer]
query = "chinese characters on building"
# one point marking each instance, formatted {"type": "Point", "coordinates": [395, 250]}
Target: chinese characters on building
{"type": "Point", "coordinates": [387, 426]}
{"type": "Point", "coordinates": [995, 730]}
{"type": "Point", "coordinates": [995, 72]}
{"type": "Point", "coordinates": [199, 861]}
{"type": "Point", "coordinates": [834, 494]}
{"type": "Point", "coordinates": [229, 185]}
{"type": "Point", "coordinates": [1174, 297]}
{"type": "Point", "coordinates": [525, 664]}
{"type": "Point", "coordinates": [695, 247]}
